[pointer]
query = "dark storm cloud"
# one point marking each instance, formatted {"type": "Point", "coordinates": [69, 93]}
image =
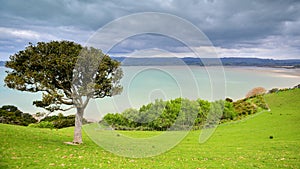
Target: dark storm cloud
{"type": "Point", "coordinates": [151, 41]}
{"type": "Point", "coordinates": [234, 27]}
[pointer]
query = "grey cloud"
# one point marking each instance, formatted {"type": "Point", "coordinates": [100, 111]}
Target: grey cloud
{"type": "Point", "coordinates": [230, 24]}
{"type": "Point", "coordinates": [149, 41]}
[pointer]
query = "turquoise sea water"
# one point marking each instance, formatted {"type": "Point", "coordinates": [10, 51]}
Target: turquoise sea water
{"type": "Point", "coordinates": [142, 85]}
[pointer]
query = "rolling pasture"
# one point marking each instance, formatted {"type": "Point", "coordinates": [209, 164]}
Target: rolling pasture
{"type": "Point", "coordinates": [270, 139]}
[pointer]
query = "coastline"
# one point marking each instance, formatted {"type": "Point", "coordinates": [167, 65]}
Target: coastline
{"type": "Point", "coordinates": [239, 80]}
{"type": "Point", "coordinates": [280, 71]}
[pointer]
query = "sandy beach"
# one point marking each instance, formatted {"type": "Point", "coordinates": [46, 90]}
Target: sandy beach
{"type": "Point", "coordinates": [282, 72]}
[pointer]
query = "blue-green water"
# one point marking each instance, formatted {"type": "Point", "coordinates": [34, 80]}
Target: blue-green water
{"type": "Point", "coordinates": [145, 84]}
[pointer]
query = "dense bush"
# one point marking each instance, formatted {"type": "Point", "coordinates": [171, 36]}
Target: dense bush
{"type": "Point", "coordinates": [181, 114]}
{"type": "Point", "coordinates": [250, 106]}
{"type": "Point", "coordinates": [256, 91]}
{"type": "Point", "coordinates": [274, 90]}
{"type": "Point", "coordinates": [61, 121]}
{"type": "Point", "coordinates": [176, 114]}
{"type": "Point", "coordinates": [42, 124]}
{"type": "Point", "coordinates": [243, 107]}
{"type": "Point", "coordinates": [229, 112]}
{"type": "Point", "coordinates": [297, 86]}
{"type": "Point", "coordinates": [12, 115]}
{"type": "Point", "coordinates": [57, 121]}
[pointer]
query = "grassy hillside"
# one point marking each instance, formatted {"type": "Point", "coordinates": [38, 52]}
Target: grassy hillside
{"type": "Point", "coordinates": [244, 144]}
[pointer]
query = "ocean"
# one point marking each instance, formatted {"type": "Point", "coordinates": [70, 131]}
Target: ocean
{"type": "Point", "coordinates": [144, 84]}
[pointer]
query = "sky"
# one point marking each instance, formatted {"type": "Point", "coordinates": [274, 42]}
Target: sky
{"type": "Point", "coordinates": [256, 28]}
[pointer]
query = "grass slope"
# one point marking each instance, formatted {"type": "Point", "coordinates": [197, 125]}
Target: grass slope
{"type": "Point", "coordinates": [244, 144]}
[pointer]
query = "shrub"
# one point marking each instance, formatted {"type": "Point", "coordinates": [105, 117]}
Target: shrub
{"type": "Point", "coordinates": [62, 123]}
{"type": "Point", "coordinates": [228, 100]}
{"type": "Point", "coordinates": [297, 86]}
{"type": "Point", "coordinates": [229, 112]}
{"type": "Point", "coordinates": [274, 90]}
{"type": "Point", "coordinates": [42, 124]}
{"type": "Point", "coordinates": [12, 115]}
{"type": "Point", "coordinates": [260, 102]}
{"type": "Point", "coordinates": [181, 114]}
{"type": "Point", "coordinates": [256, 91]}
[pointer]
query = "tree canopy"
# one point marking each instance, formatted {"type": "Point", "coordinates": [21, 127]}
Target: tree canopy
{"type": "Point", "coordinates": [68, 74]}
{"type": "Point", "coordinates": [180, 114]}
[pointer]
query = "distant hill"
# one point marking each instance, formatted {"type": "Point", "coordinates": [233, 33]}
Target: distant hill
{"type": "Point", "coordinates": [127, 61]}
{"type": "Point", "coordinates": [2, 63]}
{"type": "Point", "coordinates": [259, 62]}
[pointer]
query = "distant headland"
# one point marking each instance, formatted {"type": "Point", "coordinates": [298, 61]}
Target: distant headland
{"type": "Point", "coordinates": [230, 61]}
{"type": "Point", "coordinates": [288, 63]}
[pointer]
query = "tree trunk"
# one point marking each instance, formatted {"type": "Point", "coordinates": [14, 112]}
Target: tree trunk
{"type": "Point", "coordinates": [78, 124]}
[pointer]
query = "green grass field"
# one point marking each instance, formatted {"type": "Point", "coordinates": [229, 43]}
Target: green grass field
{"type": "Point", "coordinates": [244, 144]}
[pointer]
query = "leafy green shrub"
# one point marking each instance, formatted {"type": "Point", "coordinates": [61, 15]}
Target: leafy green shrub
{"type": "Point", "coordinates": [250, 106]}
{"type": "Point", "coordinates": [42, 124]}
{"type": "Point", "coordinates": [274, 90]}
{"type": "Point", "coordinates": [260, 102]}
{"type": "Point", "coordinates": [12, 115]}
{"type": "Point", "coordinates": [61, 121]}
{"type": "Point", "coordinates": [228, 100]}
{"type": "Point", "coordinates": [181, 114]}
{"type": "Point", "coordinates": [229, 112]}
{"type": "Point", "coordinates": [245, 107]}
{"type": "Point", "coordinates": [159, 115]}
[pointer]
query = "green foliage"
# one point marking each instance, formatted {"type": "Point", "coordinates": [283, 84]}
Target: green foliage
{"type": "Point", "coordinates": [250, 106]}
{"type": "Point", "coordinates": [56, 121]}
{"type": "Point", "coordinates": [229, 112]}
{"type": "Point", "coordinates": [42, 124]}
{"type": "Point", "coordinates": [189, 111]}
{"type": "Point", "coordinates": [260, 102]}
{"type": "Point", "coordinates": [274, 90]}
{"type": "Point", "coordinates": [67, 74]}
{"type": "Point", "coordinates": [61, 121]}
{"type": "Point", "coordinates": [243, 107]}
{"type": "Point", "coordinates": [180, 114]}
{"type": "Point", "coordinates": [160, 115]}
{"type": "Point", "coordinates": [52, 69]}
{"type": "Point", "coordinates": [12, 115]}
{"type": "Point", "coordinates": [203, 112]}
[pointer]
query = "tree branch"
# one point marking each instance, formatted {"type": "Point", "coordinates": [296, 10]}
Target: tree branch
{"type": "Point", "coordinates": [86, 102]}
{"type": "Point", "coordinates": [66, 108]}
{"type": "Point", "coordinates": [65, 102]}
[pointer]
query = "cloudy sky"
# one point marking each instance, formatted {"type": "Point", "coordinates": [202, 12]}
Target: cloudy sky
{"type": "Point", "coordinates": [264, 29]}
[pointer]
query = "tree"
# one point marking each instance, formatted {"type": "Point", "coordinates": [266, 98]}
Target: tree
{"type": "Point", "coordinates": [228, 112]}
{"type": "Point", "coordinates": [40, 116]}
{"type": "Point", "coordinates": [256, 91]}
{"type": "Point", "coordinates": [67, 74]}
{"type": "Point", "coordinates": [10, 114]}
